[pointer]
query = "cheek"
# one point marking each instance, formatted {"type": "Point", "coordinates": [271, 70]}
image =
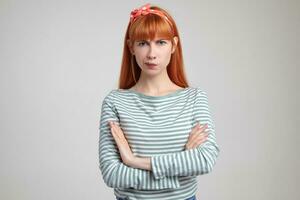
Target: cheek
{"type": "Point", "coordinates": [167, 57]}
{"type": "Point", "coordinates": [139, 59]}
{"type": "Point", "coordinates": [139, 54]}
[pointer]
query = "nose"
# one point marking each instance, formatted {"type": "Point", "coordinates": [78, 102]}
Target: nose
{"type": "Point", "coordinates": [151, 52]}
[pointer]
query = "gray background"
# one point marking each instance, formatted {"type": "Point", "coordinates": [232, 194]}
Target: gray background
{"type": "Point", "coordinates": [60, 58]}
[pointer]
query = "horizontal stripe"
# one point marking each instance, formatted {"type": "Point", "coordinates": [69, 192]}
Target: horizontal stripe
{"type": "Point", "coordinates": [157, 127]}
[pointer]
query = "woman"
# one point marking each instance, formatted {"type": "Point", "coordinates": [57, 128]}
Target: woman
{"type": "Point", "coordinates": [156, 132]}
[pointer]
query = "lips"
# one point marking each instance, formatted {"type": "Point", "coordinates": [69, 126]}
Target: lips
{"type": "Point", "coordinates": [151, 64]}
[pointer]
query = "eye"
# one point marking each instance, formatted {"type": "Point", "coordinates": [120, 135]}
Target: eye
{"type": "Point", "coordinates": [161, 42]}
{"type": "Point", "coordinates": [141, 43]}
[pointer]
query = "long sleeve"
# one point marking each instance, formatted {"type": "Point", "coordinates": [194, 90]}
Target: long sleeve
{"type": "Point", "coordinates": [116, 174]}
{"type": "Point", "coordinates": [195, 161]}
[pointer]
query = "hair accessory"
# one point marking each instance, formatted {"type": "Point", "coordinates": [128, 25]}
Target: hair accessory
{"type": "Point", "coordinates": [145, 10]}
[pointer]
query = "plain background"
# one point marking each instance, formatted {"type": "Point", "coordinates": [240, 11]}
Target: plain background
{"type": "Point", "coordinates": [60, 58]}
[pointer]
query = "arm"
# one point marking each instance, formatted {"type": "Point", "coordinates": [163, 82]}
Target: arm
{"type": "Point", "coordinates": [116, 174]}
{"type": "Point", "coordinates": [195, 161]}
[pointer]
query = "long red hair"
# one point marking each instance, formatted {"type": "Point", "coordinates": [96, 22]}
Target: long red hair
{"type": "Point", "coordinates": [148, 27]}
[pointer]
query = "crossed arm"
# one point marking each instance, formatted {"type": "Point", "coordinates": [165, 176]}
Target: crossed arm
{"type": "Point", "coordinates": [115, 173]}
{"type": "Point", "coordinates": [141, 171]}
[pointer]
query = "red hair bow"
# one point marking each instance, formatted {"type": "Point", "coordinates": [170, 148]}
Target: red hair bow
{"type": "Point", "coordinates": [144, 10]}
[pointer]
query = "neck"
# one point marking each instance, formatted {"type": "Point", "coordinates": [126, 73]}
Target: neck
{"type": "Point", "coordinates": [154, 84]}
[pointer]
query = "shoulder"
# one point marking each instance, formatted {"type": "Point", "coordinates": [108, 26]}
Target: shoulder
{"type": "Point", "coordinates": [113, 95]}
{"type": "Point", "coordinates": [109, 96]}
{"type": "Point", "coordinates": [199, 91]}
{"type": "Point", "coordinates": [201, 96]}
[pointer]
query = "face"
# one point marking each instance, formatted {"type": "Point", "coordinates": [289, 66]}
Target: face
{"type": "Point", "coordinates": [157, 52]}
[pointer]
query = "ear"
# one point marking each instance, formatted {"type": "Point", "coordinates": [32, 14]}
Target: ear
{"type": "Point", "coordinates": [130, 46]}
{"type": "Point", "coordinates": [175, 40]}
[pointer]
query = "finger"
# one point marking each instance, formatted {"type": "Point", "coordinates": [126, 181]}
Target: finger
{"type": "Point", "coordinates": [110, 123]}
{"type": "Point", "coordinates": [199, 142]}
{"type": "Point", "coordinates": [201, 135]}
{"type": "Point", "coordinates": [198, 130]}
{"type": "Point", "coordinates": [113, 134]}
{"type": "Point", "coordinates": [119, 132]}
{"type": "Point", "coordinates": [113, 124]}
{"type": "Point", "coordinates": [113, 131]}
{"type": "Point", "coordinates": [116, 124]}
{"type": "Point", "coordinates": [195, 127]}
{"type": "Point", "coordinates": [116, 138]}
{"type": "Point", "coordinates": [116, 127]}
{"type": "Point", "coordinates": [198, 137]}
{"type": "Point", "coordinates": [201, 130]}
{"type": "Point", "coordinates": [119, 135]}
{"type": "Point", "coordinates": [205, 126]}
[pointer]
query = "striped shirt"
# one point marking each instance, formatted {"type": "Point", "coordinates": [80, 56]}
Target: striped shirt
{"type": "Point", "coordinates": [157, 127]}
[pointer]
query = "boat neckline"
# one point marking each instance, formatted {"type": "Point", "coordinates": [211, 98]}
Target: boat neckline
{"type": "Point", "coordinates": [173, 93]}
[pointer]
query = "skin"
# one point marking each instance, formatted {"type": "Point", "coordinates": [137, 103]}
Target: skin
{"type": "Point", "coordinates": [154, 82]}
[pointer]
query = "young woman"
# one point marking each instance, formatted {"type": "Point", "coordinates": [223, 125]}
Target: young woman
{"type": "Point", "coordinates": [156, 132]}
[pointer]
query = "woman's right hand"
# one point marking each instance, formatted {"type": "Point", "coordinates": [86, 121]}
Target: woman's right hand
{"type": "Point", "coordinates": [197, 136]}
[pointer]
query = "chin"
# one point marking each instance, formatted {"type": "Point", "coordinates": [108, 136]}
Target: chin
{"type": "Point", "coordinates": [151, 72]}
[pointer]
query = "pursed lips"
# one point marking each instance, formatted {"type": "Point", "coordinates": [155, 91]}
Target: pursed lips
{"type": "Point", "coordinates": [148, 63]}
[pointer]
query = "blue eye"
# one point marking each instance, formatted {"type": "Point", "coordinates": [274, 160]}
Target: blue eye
{"type": "Point", "coordinates": [161, 42]}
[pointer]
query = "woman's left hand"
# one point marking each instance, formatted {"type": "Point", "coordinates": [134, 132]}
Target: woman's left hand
{"type": "Point", "coordinates": [123, 146]}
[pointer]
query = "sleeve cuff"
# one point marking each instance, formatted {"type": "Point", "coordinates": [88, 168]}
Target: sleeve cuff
{"type": "Point", "coordinates": [156, 170]}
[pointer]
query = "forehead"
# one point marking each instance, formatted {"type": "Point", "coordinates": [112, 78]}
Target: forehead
{"type": "Point", "coordinates": [154, 39]}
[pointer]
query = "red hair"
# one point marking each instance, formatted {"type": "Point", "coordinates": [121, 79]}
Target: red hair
{"type": "Point", "coordinates": [148, 27]}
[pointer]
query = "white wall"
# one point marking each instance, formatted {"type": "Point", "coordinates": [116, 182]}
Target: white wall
{"type": "Point", "coordinates": [58, 59]}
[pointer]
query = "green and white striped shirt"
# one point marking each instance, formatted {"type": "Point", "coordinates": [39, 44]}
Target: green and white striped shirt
{"type": "Point", "coordinates": [156, 127]}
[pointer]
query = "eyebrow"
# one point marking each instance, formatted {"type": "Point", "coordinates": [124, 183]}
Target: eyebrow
{"type": "Point", "coordinates": [149, 40]}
